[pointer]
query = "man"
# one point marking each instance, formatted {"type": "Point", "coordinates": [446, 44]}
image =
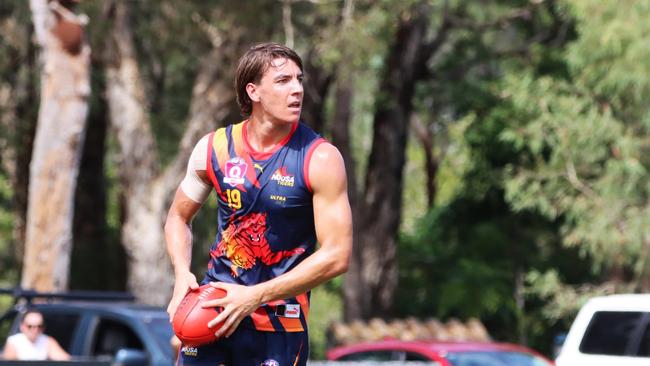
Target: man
{"type": "Point", "coordinates": [31, 343]}
{"type": "Point", "coordinates": [280, 188]}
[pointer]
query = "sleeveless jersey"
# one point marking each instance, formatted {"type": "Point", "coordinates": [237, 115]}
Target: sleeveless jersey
{"type": "Point", "coordinates": [265, 218]}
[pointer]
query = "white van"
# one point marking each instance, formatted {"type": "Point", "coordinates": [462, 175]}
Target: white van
{"type": "Point", "coordinates": [609, 330]}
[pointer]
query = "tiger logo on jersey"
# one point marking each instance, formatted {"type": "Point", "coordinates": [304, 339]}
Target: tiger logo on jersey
{"type": "Point", "coordinates": [244, 242]}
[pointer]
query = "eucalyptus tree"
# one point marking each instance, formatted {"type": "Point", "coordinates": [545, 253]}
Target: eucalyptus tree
{"type": "Point", "coordinates": [65, 88]}
{"type": "Point", "coordinates": [146, 187]}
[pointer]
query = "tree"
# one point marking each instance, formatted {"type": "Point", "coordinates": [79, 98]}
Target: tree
{"type": "Point", "coordinates": [419, 44]}
{"type": "Point", "coordinates": [595, 182]}
{"type": "Point", "coordinates": [96, 246]}
{"type": "Point", "coordinates": [371, 282]}
{"type": "Point", "coordinates": [57, 147]}
{"type": "Point", "coordinates": [472, 242]}
{"type": "Point", "coordinates": [146, 187]}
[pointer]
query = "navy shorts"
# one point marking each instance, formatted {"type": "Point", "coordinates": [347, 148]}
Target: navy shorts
{"type": "Point", "coordinates": [250, 347]}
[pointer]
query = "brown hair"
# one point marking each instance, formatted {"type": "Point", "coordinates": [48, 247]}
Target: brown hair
{"type": "Point", "coordinates": [253, 64]}
{"type": "Point", "coordinates": [28, 311]}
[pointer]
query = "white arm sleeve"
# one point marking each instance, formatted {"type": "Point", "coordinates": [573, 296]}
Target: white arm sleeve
{"type": "Point", "coordinates": [192, 185]}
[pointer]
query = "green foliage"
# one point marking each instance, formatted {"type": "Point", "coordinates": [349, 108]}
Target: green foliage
{"type": "Point", "coordinates": [14, 70]}
{"type": "Point", "coordinates": [326, 307]}
{"type": "Point", "coordinates": [8, 270]}
{"type": "Point", "coordinates": [170, 45]}
{"type": "Point", "coordinates": [413, 193]}
{"type": "Point", "coordinates": [6, 303]}
{"type": "Point", "coordinates": [583, 138]}
{"type": "Point", "coordinates": [566, 299]}
{"type": "Point", "coordinates": [608, 58]}
{"type": "Point", "coordinates": [467, 257]}
{"type": "Point", "coordinates": [471, 254]}
{"type": "Point", "coordinates": [544, 167]}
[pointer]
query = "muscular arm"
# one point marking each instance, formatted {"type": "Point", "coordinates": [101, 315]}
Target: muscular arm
{"type": "Point", "coordinates": [178, 236]}
{"type": "Point", "coordinates": [333, 221]}
{"type": "Point", "coordinates": [189, 198]}
{"type": "Point", "coordinates": [178, 231]}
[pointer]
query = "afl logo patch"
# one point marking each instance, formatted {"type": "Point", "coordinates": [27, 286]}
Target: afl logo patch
{"type": "Point", "coordinates": [270, 362]}
{"type": "Point", "coordinates": [235, 171]}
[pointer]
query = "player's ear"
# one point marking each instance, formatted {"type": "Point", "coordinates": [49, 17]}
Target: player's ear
{"type": "Point", "coordinates": [251, 90]}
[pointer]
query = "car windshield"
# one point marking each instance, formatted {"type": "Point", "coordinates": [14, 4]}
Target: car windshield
{"type": "Point", "coordinates": [162, 330]}
{"type": "Point", "coordinates": [494, 359]}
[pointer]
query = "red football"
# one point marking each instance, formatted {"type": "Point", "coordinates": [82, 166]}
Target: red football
{"type": "Point", "coordinates": [191, 320]}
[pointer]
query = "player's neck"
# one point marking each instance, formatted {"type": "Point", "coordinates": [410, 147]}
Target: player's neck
{"type": "Point", "coordinates": [263, 134]}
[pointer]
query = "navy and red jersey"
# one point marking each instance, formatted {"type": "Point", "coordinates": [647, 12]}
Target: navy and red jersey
{"type": "Point", "coordinates": [266, 220]}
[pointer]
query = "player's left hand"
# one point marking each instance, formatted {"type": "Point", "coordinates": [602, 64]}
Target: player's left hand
{"type": "Point", "coordinates": [239, 302]}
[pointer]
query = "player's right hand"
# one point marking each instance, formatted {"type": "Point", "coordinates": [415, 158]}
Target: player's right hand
{"type": "Point", "coordinates": [185, 282]}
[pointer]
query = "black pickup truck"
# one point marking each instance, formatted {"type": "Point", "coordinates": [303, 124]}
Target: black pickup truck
{"type": "Point", "coordinates": [96, 328]}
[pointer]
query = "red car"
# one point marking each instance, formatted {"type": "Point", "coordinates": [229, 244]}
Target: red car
{"type": "Point", "coordinates": [444, 353]}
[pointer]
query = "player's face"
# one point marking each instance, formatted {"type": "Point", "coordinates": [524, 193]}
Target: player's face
{"type": "Point", "coordinates": [280, 91]}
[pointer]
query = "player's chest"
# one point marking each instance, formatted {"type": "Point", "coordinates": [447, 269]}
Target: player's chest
{"type": "Point", "coordinates": [263, 184]}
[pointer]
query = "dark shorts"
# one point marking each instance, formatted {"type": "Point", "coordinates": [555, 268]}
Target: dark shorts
{"type": "Point", "coordinates": [250, 347]}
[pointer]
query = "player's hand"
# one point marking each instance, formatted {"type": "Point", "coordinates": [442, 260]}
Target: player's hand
{"type": "Point", "coordinates": [184, 282]}
{"type": "Point", "coordinates": [239, 302]}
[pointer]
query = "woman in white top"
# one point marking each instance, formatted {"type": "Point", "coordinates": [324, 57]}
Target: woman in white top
{"type": "Point", "coordinates": [31, 343]}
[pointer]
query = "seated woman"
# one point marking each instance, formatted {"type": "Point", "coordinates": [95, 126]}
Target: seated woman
{"type": "Point", "coordinates": [31, 343]}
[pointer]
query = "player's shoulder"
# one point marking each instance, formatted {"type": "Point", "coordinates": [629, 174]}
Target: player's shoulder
{"type": "Point", "coordinates": [325, 151]}
{"type": "Point", "coordinates": [201, 147]}
{"type": "Point", "coordinates": [326, 167]}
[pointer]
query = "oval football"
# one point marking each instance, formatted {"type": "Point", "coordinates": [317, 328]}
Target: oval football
{"type": "Point", "coordinates": [190, 321]}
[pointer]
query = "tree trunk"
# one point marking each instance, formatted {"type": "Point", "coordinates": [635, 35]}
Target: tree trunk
{"type": "Point", "coordinates": [65, 88]}
{"type": "Point", "coordinates": [520, 302]}
{"type": "Point", "coordinates": [341, 132]}
{"type": "Point", "coordinates": [371, 281]}
{"type": "Point", "coordinates": [147, 190]}
{"type": "Point", "coordinates": [343, 107]}
{"type": "Point", "coordinates": [317, 84]}
{"type": "Point", "coordinates": [95, 249]}
{"type": "Point", "coordinates": [425, 137]}
{"type": "Point", "coordinates": [141, 193]}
